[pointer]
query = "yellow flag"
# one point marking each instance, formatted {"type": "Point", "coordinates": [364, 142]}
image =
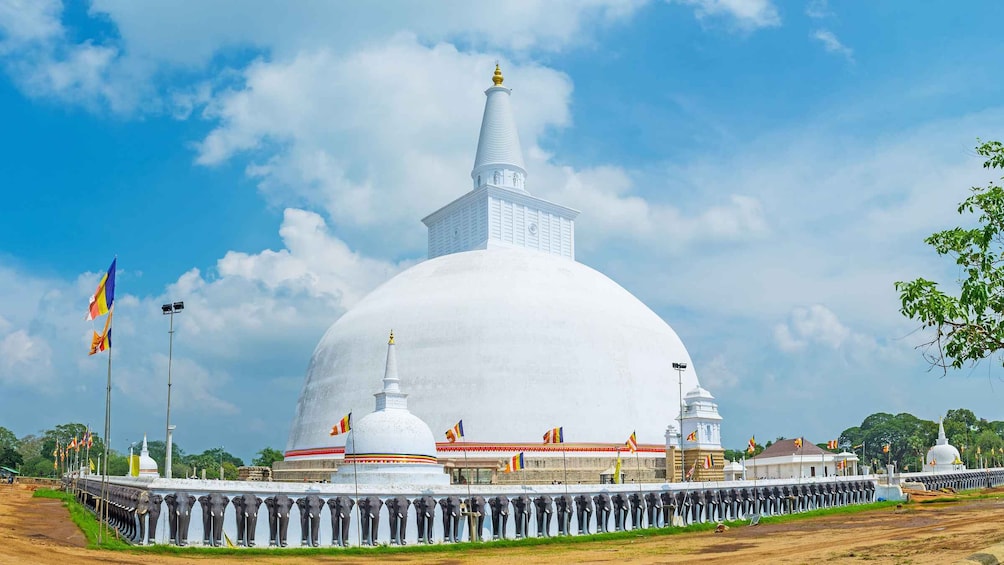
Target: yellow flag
{"type": "Point", "coordinates": [229, 543]}
{"type": "Point", "coordinates": [92, 465]}
{"type": "Point", "coordinates": [617, 469]}
{"type": "Point", "coordinates": [134, 466]}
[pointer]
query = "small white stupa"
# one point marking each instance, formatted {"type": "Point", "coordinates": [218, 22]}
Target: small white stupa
{"type": "Point", "coordinates": [390, 445]}
{"type": "Point", "coordinates": [943, 457]}
{"type": "Point", "coordinates": [147, 466]}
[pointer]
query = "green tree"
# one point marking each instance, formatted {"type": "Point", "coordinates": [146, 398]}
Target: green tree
{"type": "Point", "coordinates": [968, 327]}
{"type": "Point", "coordinates": [178, 466]}
{"type": "Point", "coordinates": [266, 457]}
{"type": "Point", "coordinates": [10, 457]}
{"type": "Point", "coordinates": [30, 446]}
{"type": "Point", "coordinates": [8, 439]}
{"type": "Point", "coordinates": [37, 466]}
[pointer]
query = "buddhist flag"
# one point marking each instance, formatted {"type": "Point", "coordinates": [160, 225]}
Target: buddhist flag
{"type": "Point", "coordinates": [693, 468]}
{"type": "Point", "coordinates": [885, 448]}
{"type": "Point", "coordinates": [73, 443]}
{"type": "Point", "coordinates": [708, 461]}
{"type": "Point", "coordinates": [857, 446]}
{"type": "Point", "coordinates": [91, 461]}
{"type": "Point", "coordinates": [555, 435]}
{"type": "Point", "coordinates": [631, 443]}
{"type": "Point", "coordinates": [101, 301]}
{"type": "Point", "coordinates": [343, 425]}
{"type": "Point", "coordinates": [692, 436]}
{"type": "Point", "coordinates": [617, 469]}
{"type": "Point", "coordinates": [978, 450]}
{"type": "Point", "coordinates": [102, 341]}
{"type": "Point", "coordinates": [752, 447]}
{"type": "Point", "coordinates": [798, 443]}
{"type": "Point", "coordinates": [456, 432]}
{"type": "Point", "coordinates": [514, 464]}
{"type": "Point", "coordinates": [832, 444]}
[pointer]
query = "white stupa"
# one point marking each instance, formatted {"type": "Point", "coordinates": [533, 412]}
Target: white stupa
{"type": "Point", "coordinates": [943, 457]}
{"type": "Point", "coordinates": [147, 466]}
{"type": "Point", "coordinates": [701, 418]}
{"type": "Point", "coordinates": [505, 329]}
{"type": "Point", "coordinates": [390, 445]}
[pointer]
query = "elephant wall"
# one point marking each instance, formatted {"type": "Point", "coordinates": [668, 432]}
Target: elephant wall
{"type": "Point", "coordinates": [305, 511]}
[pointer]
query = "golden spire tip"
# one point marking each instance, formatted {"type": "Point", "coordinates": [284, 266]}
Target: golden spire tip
{"type": "Point", "coordinates": [497, 77]}
{"type": "Point", "coordinates": [391, 342]}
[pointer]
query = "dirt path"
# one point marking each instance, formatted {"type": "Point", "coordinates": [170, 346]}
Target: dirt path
{"type": "Point", "coordinates": [36, 530]}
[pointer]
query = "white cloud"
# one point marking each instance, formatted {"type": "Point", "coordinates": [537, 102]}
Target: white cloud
{"type": "Point", "coordinates": [25, 360]}
{"type": "Point", "coordinates": [746, 15]}
{"type": "Point", "coordinates": [818, 9]}
{"type": "Point", "coordinates": [815, 324]}
{"type": "Point", "coordinates": [832, 44]}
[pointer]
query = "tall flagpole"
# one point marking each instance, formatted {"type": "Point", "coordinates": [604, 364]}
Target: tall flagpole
{"type": "Point", "coordinates": [104, 477]}
{"type": "Point", "coordinates": [637, 464]}
{"type": "Point", "coordinates": [355, 480]}
{"type": "Point", "coordinates": [564, 465]}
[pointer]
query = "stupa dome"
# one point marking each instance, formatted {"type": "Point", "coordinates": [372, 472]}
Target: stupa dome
{"type": "Point", "coordinates": [147, 466]}
{"type": "Point", "coordinates": [512, 341]}
{"type": "Point", "coordinates": [943, 456]}
{"type": "Point", "coordinates": [390, 444]}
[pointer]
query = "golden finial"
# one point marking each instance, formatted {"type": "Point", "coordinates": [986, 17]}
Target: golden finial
{"type": "Point", "coordinates": [391, 342]}
{"type": "Point", "coordinates": [497, 78]}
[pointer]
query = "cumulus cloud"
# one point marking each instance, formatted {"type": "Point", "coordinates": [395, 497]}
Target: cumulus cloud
{"type": "Point", "coordinates": [833, 45]}
{"type": "Point", "coordinates": [39, 54]}
{"type": "Point", "coordinates": [814, 324]}
{"type": "Point", "coordinates": [746, 15]}
{"type": "Point", "coordinates": [818, 9]}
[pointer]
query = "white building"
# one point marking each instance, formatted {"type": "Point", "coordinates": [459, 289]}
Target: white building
{"type": "Point", "coordinates": [784, 460]}
{"type": "Point", "coordinates": [505, 329]}
{"type": "Point", "coordinates": [702, 426]}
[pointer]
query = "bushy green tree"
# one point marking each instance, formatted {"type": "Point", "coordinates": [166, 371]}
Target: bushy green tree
{"type": "Point", "coordinates": [266, 457]}
{"type": "Point", "coordinates": [968, 327]}
{"type": "Point", "coordinates": [8, 439]}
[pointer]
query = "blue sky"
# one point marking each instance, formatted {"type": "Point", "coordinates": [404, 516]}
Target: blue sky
{"type": "Point", "coordinates": [759, 173]}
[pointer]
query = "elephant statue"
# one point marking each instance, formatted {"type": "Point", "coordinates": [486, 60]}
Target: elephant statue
{"type": "Point", "coordinates": [709, 500]}
{"type": "Point", "coordinates": [636, 503]}
{"type": "Point", "coordinates": [603, 509]}
{"type": "Point", "coordinates": [152, 515]}
{"type": "Point", "coordinates": [583, 512]}
{"type": "Point", "coordinates": [425, 511]}
{"type": "Point", "coordinates": [653, 509]}
{"type": "Point", "coordinates": [214, 506]}
{"type": "Point", "coordinates": [620, 503]}
{"type": "Point", "coordinates": [369, 518]}
{"type": "Point", "coordinates": [142, 508]}
{"type": "Point", "coordinates": [451, 518]}
{"type": "Point", "coordinates": [521, 515]}
{"type": "Point", "coordinates": [500, 515]}
{"type": "Point", "coordinates": [278, 519]}
{"type": "Point", "coordinates": [179, 507]}
{"type": "Point", "coordinates": [476, 506]}
{"type": "Point", "coordinates": [246, 507]}
{"type": "Point", "coordinates": [545, 510]}
{"type": "Point", "coordinates": [397, 518]}
{"type": "Point", "coordinates": [668, 500]}
{"type": "Point", "coordinates": [563, 509]}
{"type": "Point", "coordinates": [341, 517]}
{"type": "Point", "coordinates": [310, 519]}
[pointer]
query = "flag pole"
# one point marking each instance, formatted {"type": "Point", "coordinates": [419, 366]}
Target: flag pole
{"type": "Point", "coordinates": [103, 520]}
{"type": "Point", "coordinates": [637, 464]}
{"type": "Point", "coordinates": [471, 518]}
{"type": "Point", "coordinates": [564, 466]}
{"type": "Point", "coordinates": [355, 480]}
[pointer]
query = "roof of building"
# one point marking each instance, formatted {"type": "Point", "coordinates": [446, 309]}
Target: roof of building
{"type": "Point", "coordinates": [785, 447]}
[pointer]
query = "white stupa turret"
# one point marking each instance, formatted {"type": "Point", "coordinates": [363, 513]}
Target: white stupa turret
{"type": "Point", "coordinates": [943, 456]}
{"type": "Point", "coordinates": [702, 425]}
{"type": "Point", "coordinates": [391, 445]}
{"type": "Point", "coordinates": [499, 160]}
{"type": "Point", "coordinates": [147, 466]}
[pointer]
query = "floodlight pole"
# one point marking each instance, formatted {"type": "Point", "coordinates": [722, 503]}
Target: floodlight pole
{"type": "Point", "coordinates": [680, 367]}
{"type": "Point", "coordinates": [169, 310]}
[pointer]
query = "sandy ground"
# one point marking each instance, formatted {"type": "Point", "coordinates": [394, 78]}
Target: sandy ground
{"type": "Point", "coordinates": [36, 530]}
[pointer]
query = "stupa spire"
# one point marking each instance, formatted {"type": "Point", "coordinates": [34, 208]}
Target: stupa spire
{"type": "Point", "coordinates": [942, 440]}
{"type": "Point", "coordinates": [390, 381]}
{"type": "Point", "coordinates": [391, 396]}
{"type": "Point", "coordinates": [499, 160]}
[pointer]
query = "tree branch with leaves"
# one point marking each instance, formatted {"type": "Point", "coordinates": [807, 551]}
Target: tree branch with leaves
{"type": "Point", "coordinates": [968, 327]}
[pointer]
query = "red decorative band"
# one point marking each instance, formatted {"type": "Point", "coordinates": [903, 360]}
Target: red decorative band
{"type": "Point", "coordinates": [472, 447]}
{"type": "Point", "coordinates": [389, 458]}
